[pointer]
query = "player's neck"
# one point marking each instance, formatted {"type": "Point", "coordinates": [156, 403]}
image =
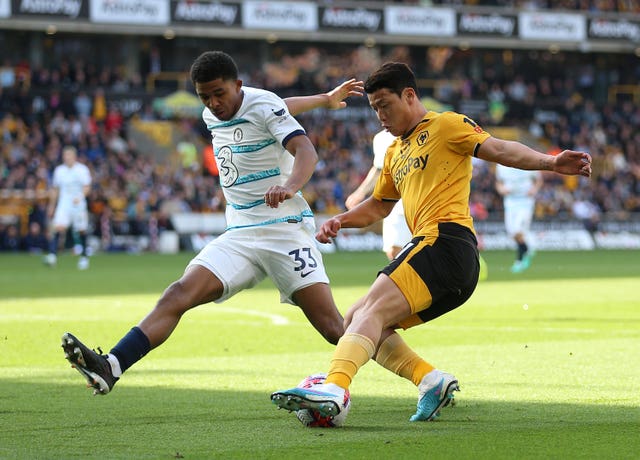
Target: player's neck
{"type": "Point", "coordinates": [416, 119]}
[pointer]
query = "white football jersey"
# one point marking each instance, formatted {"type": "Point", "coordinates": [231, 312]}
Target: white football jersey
{"type": "Point", "coordinates": [381, 142]}
{"type": "Point", "coordinates": [70, 181]}
{"type": "Point", "coordinates": [250, 156]}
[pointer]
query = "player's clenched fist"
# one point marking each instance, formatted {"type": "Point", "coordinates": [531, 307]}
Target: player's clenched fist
{"type": "Point", "coordinates": [276, 195]}
{"type": "Point", "coordinates": [329, 229]}
{"type": "Point", "coordinates": [572, 162]}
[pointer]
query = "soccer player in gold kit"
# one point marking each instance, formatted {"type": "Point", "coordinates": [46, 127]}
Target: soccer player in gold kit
{"type": "Point", "coordinates": [429, 167]}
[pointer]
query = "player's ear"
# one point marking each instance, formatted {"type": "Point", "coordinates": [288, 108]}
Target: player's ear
{"type": "Point", "coordinates": [408, 94]}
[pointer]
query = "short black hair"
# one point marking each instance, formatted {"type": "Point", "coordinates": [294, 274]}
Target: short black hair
{"type": "Point", "coordinates": [394, 76]}
{"type": "Point", "coordinates": [212, 65]}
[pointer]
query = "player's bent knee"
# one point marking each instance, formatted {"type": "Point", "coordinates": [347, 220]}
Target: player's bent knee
{"type": "Point", "coordinates": [333, 333]}
{"type": "Point", "coordinates": [176, 298]}
{"type": "Point", "coordinates": [330, 329]}
{"type": "Point", "coordinates": [370, 313]}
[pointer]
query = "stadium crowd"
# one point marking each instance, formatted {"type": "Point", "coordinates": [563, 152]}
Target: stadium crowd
{"type": "Point", "coordinates": [560, 99]}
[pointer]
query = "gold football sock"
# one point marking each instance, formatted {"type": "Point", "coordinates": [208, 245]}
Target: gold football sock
{"type": "Point", "coordinates": [395, 355]}
{"type": "Point", "coordinates": [351, 353]}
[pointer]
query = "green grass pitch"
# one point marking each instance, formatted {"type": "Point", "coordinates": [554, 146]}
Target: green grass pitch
{"type": "Point", "coordinates": [548, 363]}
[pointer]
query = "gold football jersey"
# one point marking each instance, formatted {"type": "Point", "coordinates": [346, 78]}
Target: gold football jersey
{"type": "Point", "coordinates": [430, 169]}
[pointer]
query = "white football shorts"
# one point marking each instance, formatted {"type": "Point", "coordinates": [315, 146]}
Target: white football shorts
{"type": "Point", "coordinates": [67, 215]}
{"type": "Point", "coordinates": [395, 231]}
{"type": "Point", "coordinates": [518, 215]}
{"type": "Point", "coordinates": [285, 252]}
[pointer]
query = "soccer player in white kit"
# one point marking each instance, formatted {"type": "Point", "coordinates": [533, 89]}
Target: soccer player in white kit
{"type": "Point", "coordinates": [395, 231]}
{"type": "Point", "coordinates": [518, 189]}
{"type": "Point", "coordinates": [68, 204]}
{"type": "Point", "coordinates": [264, 158]}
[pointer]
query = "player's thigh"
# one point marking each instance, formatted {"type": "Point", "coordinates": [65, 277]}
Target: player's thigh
{"type": "Point", "coordinates": [384, 303]}
{"type": "Point", "coordinates": [524, 217]}
{"type": "Point", "coordinates": [232, 259]}
{"type": "Point", "coordinates": [292, 259]}
{"type": "Point", "coordinates": [518, 215]}
{"type": "Point", "coordinates": [62, 217]}
{"type": "Point", "coordinates": [511, 223]}
{"type": "Point", "coordinates": [198, 285]}
{"type": "Point", "coordinates": [80, 219]}
{"type": "Point", "coordinates": [317, 298]}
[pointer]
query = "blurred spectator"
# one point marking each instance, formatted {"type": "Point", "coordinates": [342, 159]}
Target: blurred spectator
{"type": "Point", "coordinates": [7, 74]}
{"type": "Point", "coordinates": [35, 241]}
{"type": "Point", "coordinates": [10, 239]}
{"type": "Point", "coordinates": [94, 150]}
{"type": "Point", "coordinates": [99, 106]}
{"type": "Point", "coordinates": [83, 104]}
{"type": "Point", "coordinates": [152, 63]}
{"type": "Point", "coordinates": [113, 122]}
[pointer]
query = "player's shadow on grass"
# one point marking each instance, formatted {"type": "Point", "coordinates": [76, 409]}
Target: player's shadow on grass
{"type": "Point", "coordinates": [53, 420]}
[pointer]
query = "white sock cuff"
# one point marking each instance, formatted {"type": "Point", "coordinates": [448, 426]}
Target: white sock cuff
{"type": "Point", "coordinates": [115, 365]}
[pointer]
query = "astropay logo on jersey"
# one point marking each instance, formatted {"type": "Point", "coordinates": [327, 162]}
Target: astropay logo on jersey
{"type": "Point", "coordinates": [412, 164]}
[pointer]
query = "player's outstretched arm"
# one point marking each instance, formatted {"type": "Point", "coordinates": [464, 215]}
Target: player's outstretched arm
{"type": "Point", "coordinates": [364, 189]}
{"type": "Point", "coordinates": [517, 155]}
{"type": "Point", "coordinates": [333, 100]}
{"type": "Point", "coordinates": [366, 213]}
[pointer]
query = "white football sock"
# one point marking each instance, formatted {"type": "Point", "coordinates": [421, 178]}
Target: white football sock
{"type": "Point", "coordinates": [115, 365]}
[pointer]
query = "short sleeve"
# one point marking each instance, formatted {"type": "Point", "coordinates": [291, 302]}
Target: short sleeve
{"type": "Point", "coordinates": [464, 135]}
{"type": "Point", "coordinates": [278, 121]}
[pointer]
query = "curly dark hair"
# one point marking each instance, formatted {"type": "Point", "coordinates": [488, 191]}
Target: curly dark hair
{"type": "Point", "coordinates": [212, 65]}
